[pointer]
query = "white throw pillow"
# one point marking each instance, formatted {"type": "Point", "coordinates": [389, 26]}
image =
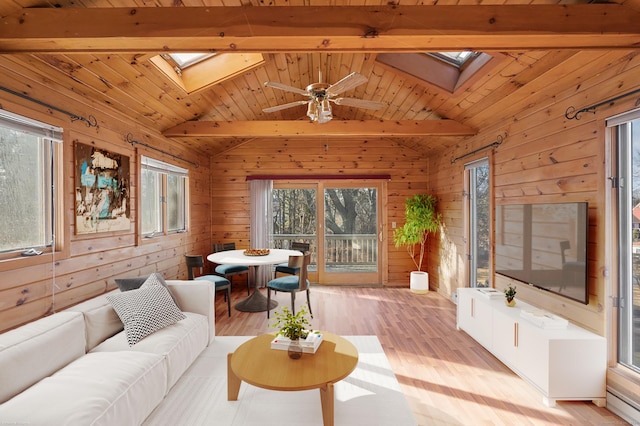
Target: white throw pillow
{"type": "Point", "coordinates": [145, 310]}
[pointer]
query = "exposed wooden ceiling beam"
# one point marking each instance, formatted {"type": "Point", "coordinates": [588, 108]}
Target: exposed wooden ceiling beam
{"type": "Point", "coordinates": [321, 28]}
{"type": "Point", "coordinates": [271, 128]}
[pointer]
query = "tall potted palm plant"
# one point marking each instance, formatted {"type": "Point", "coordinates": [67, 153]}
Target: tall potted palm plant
{"type": "Point", "coordinates": [421, 219]}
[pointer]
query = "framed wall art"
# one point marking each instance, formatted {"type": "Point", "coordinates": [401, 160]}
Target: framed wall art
{"type": "Point", "coordinates": [102, 190]}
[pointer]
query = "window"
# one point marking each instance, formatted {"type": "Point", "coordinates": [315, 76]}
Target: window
{"type": "Point", "coordinates": [448, 71]}
{"type": "Point", "coordinates": [627, 146]}
{"type": "Point", "coordinates": [341, 221]}
{"type": "Point", "coordinates": [477, 174]}
{"type": "Point", "coordinates": [457, 59]}
{"type": "Point", "coordinates": [164, 198]}
{"type": "Point", "coordinates": [176, 203]}
{"type": "Point", "coordinates": [27, 175]}
{"type": "Point", "coordinates": [193, 72]}
{"type": "Point", "coordinates": [185, 60]}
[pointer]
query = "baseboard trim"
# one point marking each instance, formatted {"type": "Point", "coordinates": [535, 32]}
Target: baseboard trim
{"type": "Point", "coordinates": [623, 407]}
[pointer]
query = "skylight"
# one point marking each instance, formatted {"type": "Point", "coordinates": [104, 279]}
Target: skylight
{"type": "Point", "coordinates": [457, 59]}
{"type": "Point", "coordinates": [184, 60]}
{"type": "Point", "coordinates": [192, 72]}
{"type": "Point", "coordinates": [450, 71]}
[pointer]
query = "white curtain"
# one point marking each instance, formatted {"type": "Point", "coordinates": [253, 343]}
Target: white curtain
{"type": "Point", "coordinates": [261, 223]}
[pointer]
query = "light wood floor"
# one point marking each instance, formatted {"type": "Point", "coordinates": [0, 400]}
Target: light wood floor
{"type": "Point", "coordinates": [447, 377]}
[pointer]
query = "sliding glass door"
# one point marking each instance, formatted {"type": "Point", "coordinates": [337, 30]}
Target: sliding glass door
{"type": "Point", "coordinates": [626, 132]}
{"type": "Point", "coordinates": [350, 234]}
{"type": "Point", "coordinates": [295, 218]}
{"type": "Point", "coordinates": [345, 243]}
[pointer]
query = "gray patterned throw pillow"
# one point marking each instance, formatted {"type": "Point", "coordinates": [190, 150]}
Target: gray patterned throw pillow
{"type": "Point", "coordinates": [145, 310]}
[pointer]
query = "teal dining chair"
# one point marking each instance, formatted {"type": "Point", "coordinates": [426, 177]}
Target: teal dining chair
{"type": "Point", "coordinates": [229, 271]}
{"type": "Point", "coordinates": [221, 283]}
{"type": "Point", "coordinates": [292, 283]}
{"type": "Point", "coordinates": [284, 268]}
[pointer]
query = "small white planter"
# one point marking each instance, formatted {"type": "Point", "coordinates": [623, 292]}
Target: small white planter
{"type": "Point", "coordinates": [419, 282]}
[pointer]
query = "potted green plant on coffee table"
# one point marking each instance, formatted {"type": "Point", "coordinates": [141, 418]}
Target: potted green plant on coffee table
{"type": "Point", "coordinates": [292, 326]}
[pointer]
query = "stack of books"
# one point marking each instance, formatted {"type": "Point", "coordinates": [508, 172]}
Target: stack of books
{"type": "Point", "coordinates": [309, 345]}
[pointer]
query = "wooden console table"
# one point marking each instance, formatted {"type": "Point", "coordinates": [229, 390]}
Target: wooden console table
{"type": "Point", "coordinates": [562, 363]}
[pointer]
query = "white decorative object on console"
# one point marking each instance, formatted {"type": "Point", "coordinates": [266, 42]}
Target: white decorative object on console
{"type": "Point", "coordinates": [560, 359]}
{"type": "Point", "coordinates": [490, 293]}
{"type": "Point", "coordinates": [544, 319]}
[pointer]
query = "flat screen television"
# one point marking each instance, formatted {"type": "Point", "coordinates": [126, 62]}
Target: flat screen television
{"type": "Point", "coordinates": [544, 245]}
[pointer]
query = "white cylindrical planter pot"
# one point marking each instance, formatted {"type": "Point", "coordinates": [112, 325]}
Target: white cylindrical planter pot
{"type": "Point", "coordinates": [419, 282]}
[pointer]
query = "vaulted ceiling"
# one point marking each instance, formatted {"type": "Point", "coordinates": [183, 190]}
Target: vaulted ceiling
{"type": "Point", "coordinates": [103, 49]}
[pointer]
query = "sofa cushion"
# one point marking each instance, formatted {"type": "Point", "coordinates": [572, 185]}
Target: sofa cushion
{"type": "Point", "coordinates": [108, 388]}
{"type": "Point", "coordinates": [179, 343]}
{"type": "Point", "coordinates": [196, 296]}
{"type": "Point", "coordinates": [126, 284]}
{"type": "Point", "coordinates": [37, 350]}
{"type": "Point", "coordinates": [145, 310]}
{"type": "Point", "coordinates": [101, 321]}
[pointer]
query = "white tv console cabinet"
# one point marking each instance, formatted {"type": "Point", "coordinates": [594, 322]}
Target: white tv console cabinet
{"type": "Point", "coordinates": [560, 359]}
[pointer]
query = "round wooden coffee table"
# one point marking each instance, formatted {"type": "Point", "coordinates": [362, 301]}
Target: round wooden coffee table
{"type": "Point", "coordinates": [254, 362]}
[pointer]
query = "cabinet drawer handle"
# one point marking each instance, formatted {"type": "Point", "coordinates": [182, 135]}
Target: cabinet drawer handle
{"type": "Point", "coordinates": [515, 334]}
{"type": "Point", "coordinates": [473, 308]}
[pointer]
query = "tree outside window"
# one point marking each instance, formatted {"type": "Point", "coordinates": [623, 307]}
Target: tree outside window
{"type": "Point", "coordinates": [27, 170]}
{"type": "Point", "coordinates": [163, 195]}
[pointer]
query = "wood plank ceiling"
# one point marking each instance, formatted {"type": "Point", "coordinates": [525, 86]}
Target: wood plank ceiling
{"type": "Point", "coordinates": [128, 82]}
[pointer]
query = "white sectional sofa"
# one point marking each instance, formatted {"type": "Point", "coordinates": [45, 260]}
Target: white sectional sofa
{"type": "Point", "coordinates": [76, 367]}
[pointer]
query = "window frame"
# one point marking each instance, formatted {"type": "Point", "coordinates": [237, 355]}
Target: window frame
{"type": "Point", "coordinates": [180, 63]}
{"type": "Point", "coordinates": [50, 152]}
{"type": "Point", "coordinates": [471, 213]}
{"type": "Point", "coordinates": [163, 171]}
{"type": "Point", "coordinates": [621, 205]}
{"type": "Point", "coordinates": [459, 59]}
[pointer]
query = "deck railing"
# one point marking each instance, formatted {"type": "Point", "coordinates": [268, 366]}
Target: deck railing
{"type": "Point", "coordinates": [340, 249]}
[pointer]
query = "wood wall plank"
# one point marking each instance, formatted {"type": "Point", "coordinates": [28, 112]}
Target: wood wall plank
{"type": "Point", "coordinates": [230, 202]}
{"type": "Point", "coordinates": [90, 263]}
{"type": "Point", "coordinates": [561, 160]}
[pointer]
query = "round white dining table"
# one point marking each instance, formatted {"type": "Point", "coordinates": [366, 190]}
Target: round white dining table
{"type": "Point", "coordinates": [256, 302]}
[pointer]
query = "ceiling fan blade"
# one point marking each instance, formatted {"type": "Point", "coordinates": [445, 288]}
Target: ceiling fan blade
{"type": "Point", "coordinates": [284, 106]}
{"type": "Point", "coordinates": [358, 103]}
{"type": "Point", "coordinates": [281, 86]}
{"type": "Point", "coordinates": [349, 82]}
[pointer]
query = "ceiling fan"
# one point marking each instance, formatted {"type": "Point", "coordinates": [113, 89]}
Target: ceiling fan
{"type": "Point", "coordinates": [320, 96]}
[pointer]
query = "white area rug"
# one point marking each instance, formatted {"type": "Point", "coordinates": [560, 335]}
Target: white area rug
{"type": "Point", "coordinates": [370, 396]}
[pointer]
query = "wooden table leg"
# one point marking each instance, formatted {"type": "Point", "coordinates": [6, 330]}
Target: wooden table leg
{"type": "Point", "coordinates": [327, 400]}
{"type": "Point", "coordinates": [233, 382]}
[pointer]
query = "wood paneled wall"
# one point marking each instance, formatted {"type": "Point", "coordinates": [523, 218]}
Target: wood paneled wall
{"type": "Point", "coordinates": [545, 157]}
{"type": "Point", "coordinates": [549, 158]}
{"type": "Point", "coordinates": [88, 264]}
{"type": "Point", "coordinates": [300, 157]}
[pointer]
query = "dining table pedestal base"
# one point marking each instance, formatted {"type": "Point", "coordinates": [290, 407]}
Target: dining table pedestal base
{"type": "Point", "coordinates": [255, 303]}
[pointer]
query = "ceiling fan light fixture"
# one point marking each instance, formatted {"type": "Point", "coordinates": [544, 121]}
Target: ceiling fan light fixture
{"type": "Point", "coordinates": [312, 111]}
{"type": "Point", "coordinates": [325, 112]}
{"type": "Point", "coordinates": [324, 118]}
{"type": "Point", "coordinates": [321, 94]}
